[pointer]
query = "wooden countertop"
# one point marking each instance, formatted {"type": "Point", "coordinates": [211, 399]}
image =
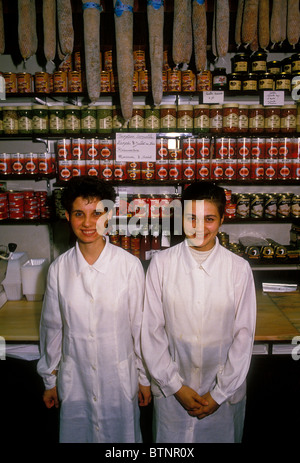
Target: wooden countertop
{"type": "Point", "coordinates": [278, 318]}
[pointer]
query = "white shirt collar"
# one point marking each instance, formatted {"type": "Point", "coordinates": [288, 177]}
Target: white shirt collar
{"type": "Point", "coordinates": [190, 263]}
{"type": "Point", "coordinates": [101, 263]}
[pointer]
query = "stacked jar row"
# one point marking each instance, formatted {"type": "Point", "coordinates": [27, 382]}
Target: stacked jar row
{"type": "Point", "coordinates": [262, 205]}
{"type": "Point", "coordinates": [201, 158]}
{"type": "Point", "coordinates": [27, 204]}
{"type": "Point", "coordinates": [27, 163]}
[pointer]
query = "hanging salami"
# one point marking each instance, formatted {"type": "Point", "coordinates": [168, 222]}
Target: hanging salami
{"type": "Point", "coordinates": [155, 16]}
{"type": "Point", "coordinates": [199, 34]}
{"type": "Point", "coordinates": [65, 26]}
{"type": "Point", "coordinates": [27, 28]}
{"type": "Point", "coordinates": [182, 33]}
{"type": "Point", "coordinates": [49, 28]}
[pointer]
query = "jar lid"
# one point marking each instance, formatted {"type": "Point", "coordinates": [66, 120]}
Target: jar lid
{"type": "Point", "coordinates": [243, 106]}
{"type": "Point", "coordinates": [71, 106]}
{"type": "Point", "coordinates": [216, 106]}
{"type": "Point", "coordinates": [295, 57]}
{"type": "Point", "coordinates": [9, 108]}
{"type": "Point", "coordinates": [104, 107]}
{"type": "Point", "coordinates": [40, 106]}
{"type": "Point", "coordinates": [289, 106]}
{"type": "Point", "coordinates": [256, 106]}
{"type": "Point", "coordinates": [23, 108]}
{"type": "Point", "coordinates": [56, 107]}
{"type": "Point", "coordinates": [231, 105]}
{"type": "Point", "coordinates": [138, 106]}
{"type": "Point", "coordinates": [202, 106]}
{"type": "Point", "coordinates": [266, 75]}
{"type": "Point", "coordinates": [85, 107]}
{"type": "Point", "coordinates": [168, 106]}
{"type": "Point", "coordinates": [186, 107]}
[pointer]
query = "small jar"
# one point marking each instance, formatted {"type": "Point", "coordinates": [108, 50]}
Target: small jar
{"type": "Point", "coordinates": [104, 119]}
{"type": "Point", "coordinates": [259, 62]}
{"type": "Point", "coordinates": [10, 120]}
{"type": "Point", "coordinates": [240, 63]}
{"type": "Point", "coordinates": [266, 81]}
{"type": "Point", "coordinates": [168, 118]}
{"type": "Point", "coordinates": [1, 121]}
{"type": "Point", "coordinates": [60, 82]}
{"type": "Point", "coordinates": [137, 120]}
{"type": "Point", "coordinates": [286, 65]}
{"type": "Point", "coordinates": [230, 118]}
{"type": "Point", "coordinates": [235, 82]}
{"type": "Point", "coordinates": [283, 81]}
{"type": "Point", "coordinates": [243, 118]}
{"type": "Point", "coordinates": [118, 122]}
{"type": "Point", "coordinates": [174, 80]}
{"type": "Point", "coordinates": [272, 119]}
{"type": "Point", "coordinates": [201, 118]}
{"type": "Point", "coordinates": [274, 67]}
{"type": "Point", "coordinates": [295, 81]}
{"type": "Point", "coordinates": [256, 119]}
{"type": "Point", "coordinates": [56, 120]}
{"type": "Point", "coordinates": [88, 116]}
{"type": "Point", "coordinates": [295, 62]}
{"type": "Point", "coordinates": [39, 119]}
{"type": "Point", "coordinates": [152, 118]}
{"type": "Point", "coordinates": [72, 119]}
{"type": "Point", "coordinates": [219, 79]}
{"type": "Point", "coordinates": [25, 119]}
{"type": "Point", "coordinates": [216, 118]}
{"type": "Point", "coordinates": [250, 82]}
{"type": "Point", "coordinates": [288, 118]}
{"type": "Point", "coordinates": [185, 121]}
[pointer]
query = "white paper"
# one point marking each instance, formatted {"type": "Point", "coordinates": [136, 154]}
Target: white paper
{"type": "Point", "coordinates": [139, 147]}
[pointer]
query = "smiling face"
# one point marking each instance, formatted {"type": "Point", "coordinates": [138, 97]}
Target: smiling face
{"type": "Point", "coordinates": [88, 220]}
{"type": "Point", "coordinates": [201, 222]}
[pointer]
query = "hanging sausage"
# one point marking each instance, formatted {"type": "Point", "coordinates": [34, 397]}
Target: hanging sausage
{"type": "Point", "coordinates": [222, 27]}
{"type": "Point", "coordinates": [155, 16]}
{"type": "Point", "coordinates": [238, 23]}
{"type": "Point", "coordinates": [275, 25]}
{"type": "Point", "coordinates": [65, 26]}
{"type": "Point", "coordinates": [182, 46]}
{"type": "Point", "coordinates": [199, 34]}
{"type": "Point", "coordinates": [27, 28]}
{"type": "Point", "coordinates": [49, 28]}
{"type": "Point", "coordinates": [249, 25]}
{"type": "Point", "coordinates": [263, 23]}
{"type": "Point", "coordinates": [91, 26]}
{"type": "Point", "coordinates": [124, 40]}
{"type": "Point", "coordinates": [293, 22]}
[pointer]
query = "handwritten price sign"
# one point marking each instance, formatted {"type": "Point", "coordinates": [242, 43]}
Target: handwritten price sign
{"type": "Point", "coordinates": [140, 147]}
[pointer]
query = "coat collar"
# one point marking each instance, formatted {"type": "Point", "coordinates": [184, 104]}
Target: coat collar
{"type": "Point", "coordinates": [101, 263]}
{"type": "Point", "coordinates": [190, 264]}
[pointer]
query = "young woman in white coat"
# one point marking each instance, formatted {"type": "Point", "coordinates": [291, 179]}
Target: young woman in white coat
{"type": "Point", "coordinates": [198, 328]}
{"type": "Point", "coordinates": [90, 326]}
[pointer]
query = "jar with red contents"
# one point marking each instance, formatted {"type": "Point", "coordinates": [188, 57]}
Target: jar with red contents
{"type": "Point", "coordinates": [288, 118]}
{"type": "Point", "coordinates": [243, 118]}
{"type": "Point", "coordinates": [216, 118]}
{"type": "Point", "coordinates": [272, 119]}
{"type": "Point", "coordinates": [230, 118]}
{"type": "Point", "coordinates": [256, 119]}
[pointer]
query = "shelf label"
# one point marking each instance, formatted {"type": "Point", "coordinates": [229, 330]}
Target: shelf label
{"type": "Point", "coordinates": [140, 147]}
{"type": "Point", "coordinates": [273, 98]}
{"type": "Point", "coordinates": [213, 97]}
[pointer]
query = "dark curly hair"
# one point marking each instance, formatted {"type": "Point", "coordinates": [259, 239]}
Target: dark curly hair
{"type": "Point", "coordinates": [206, 190]}
{"type": "Point", "coordinates": [87, 187]}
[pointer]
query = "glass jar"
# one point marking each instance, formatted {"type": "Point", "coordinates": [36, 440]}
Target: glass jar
{"type": "Point", "coordinates": [266, 81]}
{"type": "Point", "coordinates": [283, 81]}
{"type": "Point", "coordinates": [39, 119]}
{"type": "Point", "coordinates": [88, 117]}
{"type": "Point", "coordinates": [201, 118]}
{"type": "Point", "coordinates": [288, 118]}
{"type": "Point", "coordinates": [274, 67]}
{"type": "Point", "coordinates": [259, 62]}
{"type": "Point", "coordinates": [10, 120]}
{"type": "Point", "coordinates": [250, 82]}
{"type": "Point", "coordinates": [240, 63]}
{"type": "Point", "coordinates": [219, 79]}
{"type": "Point", "coordinates": [152, 118]}
{"type": "Point", "coordinates": [230, 118]}
{"type": "Point", "coordinates": [104, 119]}
{"type": "Point", "coordinates": [216, 118]}
{"type": "Point", "coordinates": [137, 120]}
{"type": "Point", "coordinates": [56, 119]}
{"type": "Point", "coordinates": [72, 119]}
{"type": "Point", "coordinates": [185, 121]}
{"type": "Point", "coordinates": [286, 65]}
{"type": "Point", "coordinates": [1, 120]}
{"type": "Point", "coordinates": [168, 115]}
{"type": "Point", "coordinates": [243, 118]}
{"type": "Point", "coordinates": [25, 119]}
{"type": "Point", "coordinates": [295, 62]}
{"type": "Point", "coordinates": [119, 123]}
{"type": "Point", "coordinates": [256, 119]}
{"type": "Point", "coordinates": [235, 82]}
{"type": "Point", "coordinates": [272, 119]}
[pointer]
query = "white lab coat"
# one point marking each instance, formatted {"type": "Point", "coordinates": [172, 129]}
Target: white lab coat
{"type": "Point", "coordinates": [198, 330]}
{"type": "Point", "coordinates": [90, 333]}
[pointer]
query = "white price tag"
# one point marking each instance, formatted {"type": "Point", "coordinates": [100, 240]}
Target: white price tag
{"type": "Point", "coordinates": [139, 147]}
{"type": "Point", "coordinates": [216, 97]}
{"type": "Point", "coordinates": [273, 98]}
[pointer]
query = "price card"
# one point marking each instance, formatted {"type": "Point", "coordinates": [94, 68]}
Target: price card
{"type": "Point", "coordinates": [216, 97]}
{"type": "Point", "coordinates": [273, 98]}
{"type": "Point", "coordinates": [140, 147]}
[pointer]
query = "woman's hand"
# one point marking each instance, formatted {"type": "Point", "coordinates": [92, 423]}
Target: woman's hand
{"type": "Point", "coordinates": [210, 408]}
{"type": "Point", "coordinates": [190, 400]}
{"type": "Point", "coordinates": [50, 398]}
{"type": "Point", "coordinates": [144, 395]}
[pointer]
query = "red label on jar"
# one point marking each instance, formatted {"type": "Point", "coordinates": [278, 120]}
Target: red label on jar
{"type": "Point", "coordinates": [120, 171]}
{"type": "Point", "coordinates": [271, 169]}
{"type": "Point", "coordinates": [64, 149]}
{"type": "Point", "coordinates": [162, 151]}
{"type": "Point", "coordinates": [5, 163]}
{"type": "Point", "coordinates": [257, 169]}
{"type": "Point", "coordinates": [175, 170]}
{"type": "Point", "coordinates": [217, 169]}
{"type": "Point", "coordinates": [64, 170]}
{"type": "Point", "coordinates": [243, 169]}
{"type": "Point", "coordinates": [258, 146]}
{"type": "Point", "coordinates": [106, 148]}
{"type": "Point", "coordinates": [188, 169]}
{"type": "Point", "coordinates": [45, 163]}
{"type": "Point", "coordinates": [203, 169]}
{"type": "Point", "coordinates": [107, 169]}
{"type": "Point", "coordinates": [285, 148]}
{"type": "Point", "coordinates": [203, 148]}
{"type": "Point", "coordinates": [271, 148]}
{"type": "Point", "coordinates": [284, 170]}
{"type": "Point", "coordinates": [92, 147]}
{"type": "Point", "coordinates": [295, 169]}
{"type": "Point", "coordinates": [78, 168]}
{"type": "Point", "coordinates": [231, 148]}
{"type": "Point", "coordinates": [17, 163]}
{"type": "Point", "coordinates": [189, 148]}
{"type": "Point", "coordinates": [243, 147]}
{"type": "Point", "coordinates": [161, 170]}
{"type": "Point", "coordinates": [93, 167]}
{"type": "Point", "coordinates": [78, 149]}
{"type": "Point", "coordinates": [221, 148]}
{"type": "Point", "coordinates": [230, 166]}
{"type": "Point", "coordinates": [31, 163]}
